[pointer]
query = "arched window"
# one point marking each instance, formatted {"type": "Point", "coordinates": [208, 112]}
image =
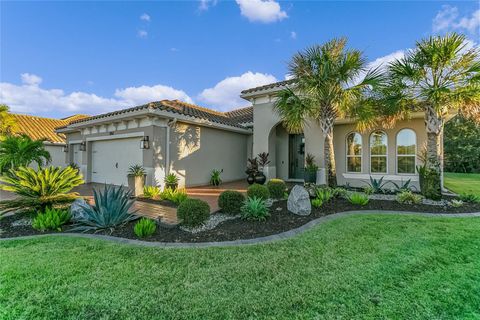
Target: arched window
{"type": "Point", "coordinates": [378, 152]}
{"type": "Point", "coordinates": [354, 152]}
{"type": "Point", "coordinates": [406, 151]}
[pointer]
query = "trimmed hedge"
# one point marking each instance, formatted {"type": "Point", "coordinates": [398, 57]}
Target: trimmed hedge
{"type": "Point", "coordinates": [193, 212]}
{"type": "Point", "coordinates": [231, 201]}
{"type": "Point", "coordinates": [258, 191]}
{"type": "Point", "coordinates": [276, 187]}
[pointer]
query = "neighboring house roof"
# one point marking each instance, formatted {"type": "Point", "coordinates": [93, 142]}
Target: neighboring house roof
{"type": "Point", "coordinates": [233, 118]}
{"type": "Point", "coordinates": [42, 128]}
{"type": "Point", "coordinates": [268, 86]}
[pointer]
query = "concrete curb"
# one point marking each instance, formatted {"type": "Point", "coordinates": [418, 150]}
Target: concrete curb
{"type": "Point", "coordinates": [275, 237]}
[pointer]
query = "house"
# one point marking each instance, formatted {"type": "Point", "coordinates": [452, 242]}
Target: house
{"type": "Point", "coordinates": [190, 141]}
{"type": "Point", "coordinates": [44, 128]}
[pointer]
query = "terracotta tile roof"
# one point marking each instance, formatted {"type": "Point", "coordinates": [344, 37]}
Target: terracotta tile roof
{"type": "Point", "coordinates": [269, 86]}
{"type": "Point", "coordinates": [42, 128]}
{"type": "Point", "coordinates": [232, 118]}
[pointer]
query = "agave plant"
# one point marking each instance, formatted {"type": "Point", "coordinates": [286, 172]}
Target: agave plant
{"type": "Point", "coordinates": [39, 189]}
{"type": "Point", "coordinates": [111, 209]}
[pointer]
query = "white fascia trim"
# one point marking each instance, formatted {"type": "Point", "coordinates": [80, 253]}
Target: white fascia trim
{"type": "Point", "coordinates": [75, 141]}
{"type": "Point", "coordinates": [395, 177]}
{"type": "Point", "coordinates": [57, 144]}
{"type": "Point", "coordinates": [117, 136]}
{"type": "Point", "coordinates": [265, 92]}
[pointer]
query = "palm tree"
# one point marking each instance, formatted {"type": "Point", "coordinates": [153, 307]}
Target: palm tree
{"type": "Point", "coordinates": [327, 83]}
{"type": "Point", "coordinates": [7, 121]}
{"type": "Point", "coordinates": [440, 76]}
{"type": "Point", "coordinates": [18, 151]}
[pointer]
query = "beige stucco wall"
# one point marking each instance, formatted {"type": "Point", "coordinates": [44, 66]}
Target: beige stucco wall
{"type": "Point", "coordinates": [57, 155]}
{"type": "Point", "coordinates": [196, 150]}
{"type": "Point", "coordinates": [270, 136]}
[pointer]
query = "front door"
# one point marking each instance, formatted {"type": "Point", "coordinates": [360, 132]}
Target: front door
{"type": "Point", "coordinates": [296, 155]}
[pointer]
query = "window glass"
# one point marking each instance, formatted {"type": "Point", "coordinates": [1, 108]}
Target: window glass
{"type": "Point", "coordinates": [406, 151]}
{"type": "Point", "coordinates": [354, 152]}
{"type": "Point", "coordinates": [378, 152]}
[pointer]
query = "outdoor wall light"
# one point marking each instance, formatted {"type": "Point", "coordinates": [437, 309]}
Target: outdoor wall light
{"type": "Point", "coordinates": [65, 148]}
{"type": "Point", "coordinates": [83, 146]}
{"type": "Point", "coordinates": [144, 143]}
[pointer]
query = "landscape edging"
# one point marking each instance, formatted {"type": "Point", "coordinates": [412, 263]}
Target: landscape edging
{"type": "Point", "coordinates": [274, 237]}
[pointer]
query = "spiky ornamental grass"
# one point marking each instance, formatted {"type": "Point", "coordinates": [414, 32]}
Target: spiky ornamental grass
{"type": "Point", "coordinates": [111, 209]}
{"type": "Point", "coordinates": [39, 189]}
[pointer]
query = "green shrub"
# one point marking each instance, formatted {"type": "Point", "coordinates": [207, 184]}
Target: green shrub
{"type": "Point", "coordinates": [368, 190]}
{"type": "Point", "coordinates": [171, 181]}
{"type": "Point", "coordinates": [112, 208]}
{"type": "Point", "coordinates": [231, 201]}
{"type": "Point", "coordinates": [151, 192]}
{"type": "Point", "coordinates": [215, 179]}
{"type": "Point", "coordinates": [377, 185]}
{"type": "Point", "coordinates": [429, 181]}
{"type": "Point", "coordinates": [339, 192]}
{"type": "Point", "coordinates": [51, 219]}
{"type": "Point", "coordinates": [144, 228]}
{"type": "Point", "coordinates": [258, 191]}
{"type": "Point", "coordinates": [469, 197]}
{"type": "Point", "coordinates": [456, 203]}
{"type": "Point", "coordinates": [39, 189]}
{"type": "Point", "coordinates": [176, 196]}
{"type": "Point", "coordinates": [255, 209]}
{"type": "Point", "coordinates": [317, 203]}
{"type": "Point", "coordinates": [276, 187]}
{"type": "Point", "coordinates": [408, 197]}
{"type": "Point", "coordinates": [358, 199]}
{"type": "Point", "coordinates": [136, 170]}
{"type": "Point", "coordinates": [193, 212]}
{"type": "Point", "coordinates": [324, 194]}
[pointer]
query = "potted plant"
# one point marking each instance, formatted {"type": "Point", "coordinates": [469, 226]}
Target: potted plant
{"type": "Point", "coordinates": [215, 179]}
{"type": "Point", "coordinates": [262, 163]}
{"type": "Point", "coordinates": [310, 169]}
{"type": "Point", "coordinates": [252, 170]}
{"type": "Point", "coordinates": [136, 179]}
{"type": "Point", "coordinates": [171, 181]}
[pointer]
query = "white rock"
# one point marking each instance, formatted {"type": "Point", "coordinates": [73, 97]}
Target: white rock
{"type": "Point", "coordinates": [76, 210]}
{"type": "Point", "coordinates": [299, 201]}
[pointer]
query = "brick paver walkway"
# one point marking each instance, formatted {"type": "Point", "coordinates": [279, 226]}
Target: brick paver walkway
{"type": "Point", "coordinates": [210, 193]}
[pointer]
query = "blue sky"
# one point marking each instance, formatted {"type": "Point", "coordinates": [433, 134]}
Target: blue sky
{"type": "Point", "coordinates": [59, 58]}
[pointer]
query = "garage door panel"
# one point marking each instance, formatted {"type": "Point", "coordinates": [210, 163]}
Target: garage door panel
{"type": "Point", "coordinates": [112, 158]}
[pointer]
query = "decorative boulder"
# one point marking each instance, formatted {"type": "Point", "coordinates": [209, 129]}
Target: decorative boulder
{"type": "Point", "coordinates": [76, 211]}
{"type": "Point", "coordinates": [299, 201]}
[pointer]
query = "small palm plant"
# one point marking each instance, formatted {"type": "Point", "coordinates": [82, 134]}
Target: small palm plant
{"type": "Point", "coordinates": [39, 189]}
{"type": "Point", "coordinates": [21, 151]}
{"type": "Point", "coordinates": [111, 209]}
{"type": "Point", "coordinates": [215, 179]}
{"type": "Point", "coordinates": [171, 181]}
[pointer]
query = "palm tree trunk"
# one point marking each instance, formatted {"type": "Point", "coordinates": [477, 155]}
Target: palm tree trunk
{"type": "Point", "coordinates": [326, 124]}
{"type": "Point", "coordinates": [434, 125]}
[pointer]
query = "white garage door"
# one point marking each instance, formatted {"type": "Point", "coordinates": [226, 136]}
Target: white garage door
{"type": "Point", "coordinates": [112, 158]}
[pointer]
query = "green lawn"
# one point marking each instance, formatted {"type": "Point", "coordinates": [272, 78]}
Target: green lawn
{"type": "Point", "coordinates": [463, 182]}
{"type": "Point", "coordinates": [373, 266]}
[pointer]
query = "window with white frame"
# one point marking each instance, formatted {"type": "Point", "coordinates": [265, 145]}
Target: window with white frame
{"type": "Point", "coordinates": [354, 152]}
{"type": "Point", "coordinates": [406, 151]}
{"type": "Point", "coordinates": [378, 152]}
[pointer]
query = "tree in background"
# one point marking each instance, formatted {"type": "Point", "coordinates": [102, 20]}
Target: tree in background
{"type": "Point", "coordinates": [327, 83]}
{"type": "Point", "coordinates": [21, 151]}
{"type": "Point", "coordinates": [462, 145]}
{"type": "Point", "coordinates": [7, 121]}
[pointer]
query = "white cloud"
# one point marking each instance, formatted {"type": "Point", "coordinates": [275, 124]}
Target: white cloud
{"type": "Point", "coordinates": [385, 60]}
{"type": "Point", "coordinates": [142, 34]}
{"type": "Point", "coordinates": [448, 19]}
{"type": "Point", "coordinates": [205, 4]}
{"type": "Point", "coordinates": [293, 35]}
{"type": "Point", "coordinates": [225, 95]}
{"type": "Point", "coordinates": [30, 79]}
{"type": "Point", "coordinates": [265, 11]}
{"type": "Point", "coordinates": [145, 17]}
{"type": "Point", "coordinates": [30, 98]}
{"type": "Point", "coordinates": [143, 94]}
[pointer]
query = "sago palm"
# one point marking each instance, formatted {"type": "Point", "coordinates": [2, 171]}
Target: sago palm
{"type": "Point", "coordinates": [439, 77]}
{"type": "Point", "coordinates": [39, 188]}
{"type": "Point", "coordinates": [18, 151]}
{"type": "Point", "coordinates": [327, 83]}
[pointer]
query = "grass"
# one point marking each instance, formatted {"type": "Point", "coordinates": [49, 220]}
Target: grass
{"type": "Point", "coordinates": [372, 266]}
{"type": "Point", "coordinates": [463, 182]}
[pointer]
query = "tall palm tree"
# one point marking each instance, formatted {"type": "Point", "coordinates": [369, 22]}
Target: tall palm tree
{"type": "Point", "coordinates": [440, 76]}
{"type": "Point", "coordinates": [327, 83]}
{"type": "Point", "coordinates": [7, 121]}
{"type": "Point", "coordinates": [20, 151]}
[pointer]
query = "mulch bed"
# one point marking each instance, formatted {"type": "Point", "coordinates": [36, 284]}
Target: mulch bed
{"type": "Point", "coordinates": [280, 220]}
